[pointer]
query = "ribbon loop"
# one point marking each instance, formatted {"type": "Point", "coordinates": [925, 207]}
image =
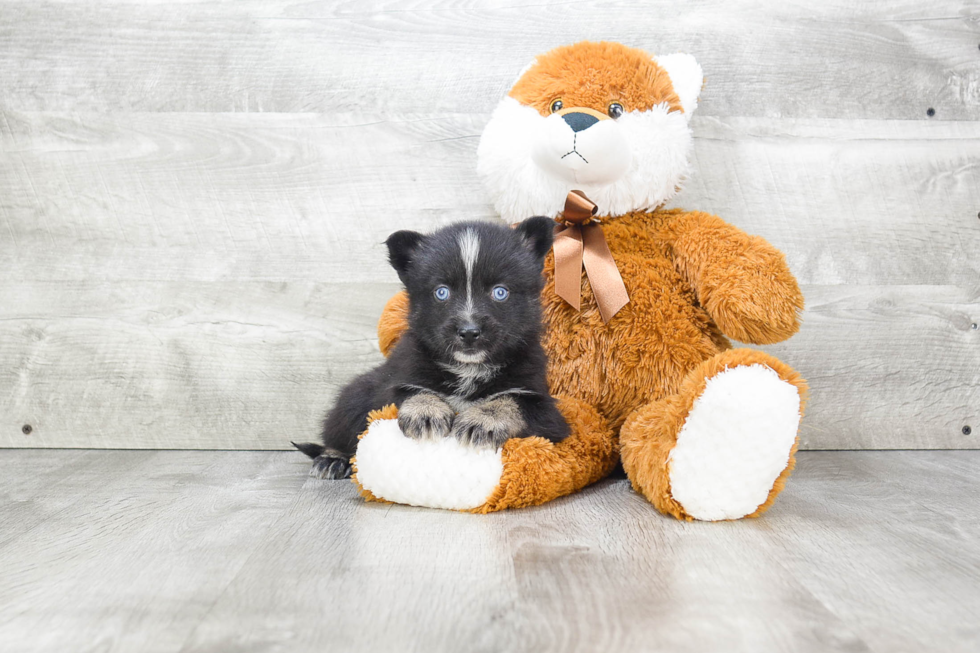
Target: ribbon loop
{"type": "Point", "coordinates": [579, 209]}
{"type": "Point", "coordinates": [579, 241]}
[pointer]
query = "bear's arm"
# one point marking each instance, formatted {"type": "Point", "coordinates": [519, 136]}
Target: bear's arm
{"type": "Point", "coordinates": [741, 280]}
{"type": "Point", "coordinates": [393, 322]}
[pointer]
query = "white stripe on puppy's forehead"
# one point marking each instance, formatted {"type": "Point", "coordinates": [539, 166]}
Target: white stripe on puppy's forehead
{"type": "Point", "coordinates": [469, 250]}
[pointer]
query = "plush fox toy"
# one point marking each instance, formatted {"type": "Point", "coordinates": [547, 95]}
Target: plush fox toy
{"type": "Point", "coordinates": [705, 431]}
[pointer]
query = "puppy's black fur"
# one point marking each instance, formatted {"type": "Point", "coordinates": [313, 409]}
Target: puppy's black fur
{"type": "Point", "coordinates": [470, 365]}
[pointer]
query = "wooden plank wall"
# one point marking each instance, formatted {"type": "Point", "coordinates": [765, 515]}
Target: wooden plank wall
{"type": "Point", "coordinates": [193, 197]}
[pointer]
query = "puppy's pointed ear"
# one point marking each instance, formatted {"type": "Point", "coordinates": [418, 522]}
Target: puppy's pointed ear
{"type": "Point", "coordinates": [538, 234]}
{"type": "Point", "coordinates": [403, 246]}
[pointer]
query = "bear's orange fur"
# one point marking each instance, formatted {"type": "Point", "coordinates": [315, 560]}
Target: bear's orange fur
{"type": "Point", "coordinates": [650, 433]}
{"type": "Point", "coordinates": [693, 281]}
{"type": "Point", "coordinates": [689, 276]}
{"type": "Point", "coordinates": [569, 74]}
{"type": "Point", "coordinates": [685, 272]}
{"type": "Point", "coordinates": [536, 470]}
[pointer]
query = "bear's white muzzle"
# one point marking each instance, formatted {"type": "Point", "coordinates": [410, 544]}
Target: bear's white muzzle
{"type": "Point", "coordinates": [597, 154]}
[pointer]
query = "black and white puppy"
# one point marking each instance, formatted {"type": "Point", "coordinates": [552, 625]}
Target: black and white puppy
{"type": "Point", "coordinates": [470, 365]}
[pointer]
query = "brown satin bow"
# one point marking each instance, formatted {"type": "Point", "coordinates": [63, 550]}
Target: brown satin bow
{"type": "Point", "coordinates": [579, 241]}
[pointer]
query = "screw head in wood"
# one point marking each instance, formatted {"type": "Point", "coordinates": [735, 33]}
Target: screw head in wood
{"type": "Point", "coordinates": [930, 112]}
{"type": "Point", "coordinates": [967, 430]}
{"type": "Point", "coordinates": [974, 326]}
{"type": "Point", "coordinates": [26, 429]}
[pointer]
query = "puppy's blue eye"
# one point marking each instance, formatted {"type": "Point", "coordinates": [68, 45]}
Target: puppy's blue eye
{"type": "Point", "coordinates": [442, 293]}
{"type": "Point", "coordinates": [499, 293]}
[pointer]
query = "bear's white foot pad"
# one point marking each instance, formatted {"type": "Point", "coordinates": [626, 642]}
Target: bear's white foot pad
{"type": "Point", "coordinates": [735, 443]}
{"type": "Point", "coordinates": [432, 473]}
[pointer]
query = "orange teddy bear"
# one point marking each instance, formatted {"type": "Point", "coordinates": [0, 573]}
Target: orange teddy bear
{"type": "Point", "coordinates": [704, 430]}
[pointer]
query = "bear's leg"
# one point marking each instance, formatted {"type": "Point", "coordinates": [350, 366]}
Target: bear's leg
{"type": "Point", "coordinates": [723, 446]}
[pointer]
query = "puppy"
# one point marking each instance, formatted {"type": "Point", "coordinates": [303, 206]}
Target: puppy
{"type": "Point", "coordinates": [470, 366]}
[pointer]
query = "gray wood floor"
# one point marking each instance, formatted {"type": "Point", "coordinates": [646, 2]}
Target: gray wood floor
{"type": "Point", "coordinates": [241, 551]}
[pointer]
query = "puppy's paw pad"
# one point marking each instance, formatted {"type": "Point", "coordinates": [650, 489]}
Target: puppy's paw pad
{"type": "Point", "coordinates": [330, 468]}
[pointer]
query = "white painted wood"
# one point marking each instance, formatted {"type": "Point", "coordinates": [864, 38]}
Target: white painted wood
{"type": "Point", "coordinates": [293, 197]}
{"type": "Point", "coordinates": [849, 201]}
{"type": "Point", "coordinates": [236, 551]}
{"type": "Point", "coordinates": [883, 361]}
{"type": "Point", "coordinates": [194, 196]}
{"type": "Point", "coordinates": [217, 323]}
{"type": "Point", "coordinates": [226, 196]}
{"type": "Point", "coordinates": [874, 59]}
{"type": "Point", "coordinates": [253, 365]}
{"type": "Point", "coordinates": [197, 365]}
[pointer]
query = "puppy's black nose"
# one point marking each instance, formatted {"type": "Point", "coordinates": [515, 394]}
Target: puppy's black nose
{"type": "Point", "coordinates": [579, 121]}
{"type": "Point", "coordinates": [468, 333]}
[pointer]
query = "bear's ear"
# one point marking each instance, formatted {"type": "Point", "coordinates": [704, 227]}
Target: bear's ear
{"type": "Point", "coordinates": [538, 234]}
{"type": "Point", "coordinates": [523, 70]}
{"type": "Point", "coordinates": [686, 78]}
{"type": "Point", "coordinates": [402, 249]}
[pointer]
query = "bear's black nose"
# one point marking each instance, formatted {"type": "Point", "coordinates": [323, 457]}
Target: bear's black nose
{"type": "Point", "coordinates": [468, 333]}
{"type": "Point", "coordinates": [579, 121]}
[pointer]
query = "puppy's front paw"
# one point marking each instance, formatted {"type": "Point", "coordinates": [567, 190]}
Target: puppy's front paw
{"type": "Point", "coordinates": [425, 416]}
{"type": "Point", "coordinates": [329, 467]}
{"type": "Point", "coordinates": [489, 423]}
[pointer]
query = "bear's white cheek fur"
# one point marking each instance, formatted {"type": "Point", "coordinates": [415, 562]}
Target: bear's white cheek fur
{"type": "Point", "coordinates": [597, 155]}
{"type": "Point", "coordinates": [519, 187]}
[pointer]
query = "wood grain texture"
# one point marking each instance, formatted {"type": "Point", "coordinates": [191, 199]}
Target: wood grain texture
{"type": "Point", "coordinates": [290, 197]}
{"type": "Point", "coordinates": [240, 551]}
{"type": "Point", "coordinates": [226, 196]}
{"type": "Point", "coordinates": [210, 298]}
{"type": "Point", "coordinates": [834, 59]}
{"type": "Point", "coordinates": [197, 365]}
{"type": "Point", "coordinates": [205, 365]}
{"type": "Point", "coordinates": [849, 202]}
{"type": "Point", "coordinates": [194, 196]}
{"type": "Point", "coordinates": [32, 493]}
{"type": "Point", "coordinates": [883, 361]}
{"type": "Point", "coordinates": [134, 562]}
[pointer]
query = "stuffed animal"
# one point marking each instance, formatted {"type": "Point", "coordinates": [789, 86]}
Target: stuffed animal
{"type": "Point", "coordinates": [704, 430]}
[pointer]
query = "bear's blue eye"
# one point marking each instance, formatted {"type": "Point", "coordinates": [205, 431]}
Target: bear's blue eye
{"type": "Point", "coordinates": [499, 293]}
{"type": "Point", "coordinates": [442, 293]}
